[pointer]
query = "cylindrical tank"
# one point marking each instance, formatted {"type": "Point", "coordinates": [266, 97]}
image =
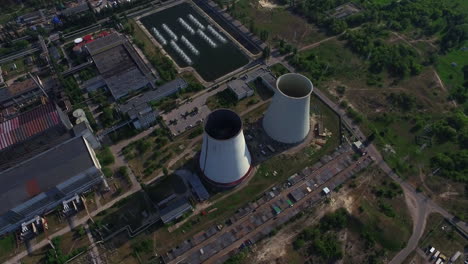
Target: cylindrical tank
{"type": "Point", "coordinates": [224, 158]}
{"type": "Point", "coordinates": [287, 119]}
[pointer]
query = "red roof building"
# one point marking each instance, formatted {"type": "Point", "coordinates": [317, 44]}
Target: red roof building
{"type": "Point", "coordinates": [28, 124]}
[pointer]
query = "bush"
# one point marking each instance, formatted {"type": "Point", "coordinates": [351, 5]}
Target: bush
{"type": "Point", "coordinates": [105, 157]}
{"type": "Point", "coordinates": [107, 172]}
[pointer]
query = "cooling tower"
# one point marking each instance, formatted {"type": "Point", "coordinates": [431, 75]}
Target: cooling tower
{"type": "Point", "coordinates": [224, 159]}
{"type": "Point", "coordinates": [287, 118]}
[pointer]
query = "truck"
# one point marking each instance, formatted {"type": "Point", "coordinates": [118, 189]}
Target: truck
{"type": "Point", "coordinates": [438, 261]}
{"type": "Point", "coordinates": [436, 255]}
{"type": "Point", "coordinates": [277, 210]}
{"type": "Point", "coordinates": [431, 250]}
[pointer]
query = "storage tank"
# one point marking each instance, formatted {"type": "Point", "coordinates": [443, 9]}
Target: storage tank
{"type": "Point", "coordinates": [224, 158]}
{"type": "Point", "coordinates": [287, 119]}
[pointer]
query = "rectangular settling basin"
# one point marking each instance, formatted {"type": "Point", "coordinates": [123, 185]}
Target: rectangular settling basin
{"type": "Point", "coordinates": [210, 62]}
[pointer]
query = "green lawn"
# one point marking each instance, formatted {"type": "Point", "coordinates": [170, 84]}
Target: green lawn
{"type": "Point", "coordinates": [7, 244]}
{"type": "Point", "coordinates": [284, 165]}
{"type": "Point", "coordinates": [278, 69]}
{"type": "Point", "coordinates": [452, 76]}
{"type": "Point", "coordinates": [442, 236]}
{"type": "Point", "coordinates": [279, 22]}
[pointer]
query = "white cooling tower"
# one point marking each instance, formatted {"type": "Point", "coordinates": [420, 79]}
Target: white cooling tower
{"type": "Point", "coordinates": [287, 118]}
{"type": "Point", "coordinates": [224, 159]}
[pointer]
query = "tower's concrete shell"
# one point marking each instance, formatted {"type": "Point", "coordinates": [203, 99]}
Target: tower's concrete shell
{"type": "Point", "coordinates": [287, 119]}
{"type": "Point", "coordinates": [224, 158]}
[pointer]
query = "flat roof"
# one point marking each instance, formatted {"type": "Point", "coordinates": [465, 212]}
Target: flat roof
{"type": "Point", "coordinates": [43, 172]}
{"type": "Point", "coordinates": [239, 87]}
{"type": "Point", "coordinates": [140, 101]}
{"type": "Point", "coordinates": [28, 124]}
{"type": "Point", "coordinates": [174, 209]}
{"type": "Point", "coordinates": [121, 68]}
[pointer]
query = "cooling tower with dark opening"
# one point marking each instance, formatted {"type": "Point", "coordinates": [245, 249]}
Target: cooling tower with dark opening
{"type": "Point", "coordinates": [287, 119]}
{"type": "Point", "coordinates": [224, 158]}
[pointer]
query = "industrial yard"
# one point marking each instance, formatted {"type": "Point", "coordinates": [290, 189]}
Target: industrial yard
{"type": "Point", "coordinates": [250, 131]}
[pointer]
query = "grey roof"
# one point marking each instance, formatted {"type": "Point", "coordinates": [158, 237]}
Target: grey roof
{"type": "Point", "coordinates": [239, 87]}
{"type": "Point", "coordinates": [197, 186]}
{"type": "Point", "coordinates": [140, 102]}
{"type": "Point", "coordinates": [122, 69]}
{"type": "Point", "coordinates": [101, 44]}
{"type": "Point", "coordinates": [43, 172]}
{"type": "Point", "coordinates": [174, 210]}
{"type": "Point", "coordinates": [76, 9]}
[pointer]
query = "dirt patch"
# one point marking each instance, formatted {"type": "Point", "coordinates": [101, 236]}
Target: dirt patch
{"type": "Point", "coordinates": [448, 194]}
{"type": "Point", "coordinates": [266, 4]}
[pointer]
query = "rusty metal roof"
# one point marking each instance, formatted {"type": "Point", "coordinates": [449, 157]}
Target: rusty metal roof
{"type": "Point", "coordinates": [28, 124]}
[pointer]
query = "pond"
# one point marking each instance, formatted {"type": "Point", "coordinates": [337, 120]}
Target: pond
{"type": "Point", "coordinates": [192, 41]}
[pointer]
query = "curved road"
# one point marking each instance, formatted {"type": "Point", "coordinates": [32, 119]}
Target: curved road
{"type": "Point", "coordinates": [419, 204]}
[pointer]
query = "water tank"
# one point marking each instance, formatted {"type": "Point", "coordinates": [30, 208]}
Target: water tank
{"type": "Point", "coordinates": [287, 119]}
{"type": "Point", "coordinates": [224, 159]}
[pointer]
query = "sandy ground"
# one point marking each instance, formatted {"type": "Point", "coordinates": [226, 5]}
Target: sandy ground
{"type": "Point", "coordinates": [271, 250]}
{"type": "Point", "coordinates": [266, 4]}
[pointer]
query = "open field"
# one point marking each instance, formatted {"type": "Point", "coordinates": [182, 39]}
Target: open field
{"type": "Point", "coordinates": [148, 156]}
{"type": "Point", "coordinates": [227, 203]}
{"type": "Point", "coordinates": [369, 234]}
{"type": "Point", "coordinates": [277, 21]}
{"type": "Point", "coordinates": [67, 245]}
{"type": "Point", "coordinates": [227, 99]}
{"type": "Point", "coordinates": [452, 75]}
{"type": "Point", "coordinates": [441, 235]}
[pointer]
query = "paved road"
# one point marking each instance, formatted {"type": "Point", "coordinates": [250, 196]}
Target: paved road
{"type": "Point", "coordinates": [19, 55]}
{"type": "Point", "coordinates": [339, 177]}
{"type": "Point", "coordinates": [422, 204]}
{"type": "Point", "coordinates": [245, 220]}
{"type": "Point", "coordinates": [16, 259]}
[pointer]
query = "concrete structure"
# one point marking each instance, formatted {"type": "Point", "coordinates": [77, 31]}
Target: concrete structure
{"type": "Point", "coordinates": [38, 185]}
{"type": "Point", "coordinates": [225, 159]}
{"type": "Point", "coordinates": [120, 65]}
{"type": "Point", "coordinates": [174, 210]}
{"type": "Point", "coordinates": [287, 119]}
{"type": "Point", "coordinates": [240, 89]}
{"type": "Point", "coordinates": [139, 108]}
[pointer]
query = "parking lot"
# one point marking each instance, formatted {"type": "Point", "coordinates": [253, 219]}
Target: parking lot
{"type": "Point", "coordinates": [279, 204]}
{"type": "Point", "coordinates": [189, 114]}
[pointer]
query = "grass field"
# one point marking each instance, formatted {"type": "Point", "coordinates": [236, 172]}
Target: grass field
{"type": "Point", "coordinates": [278, 69]}
{"type": "Point", "coordinates": [284, 165]}
{"type": "Point", "coordinates": [7, 245]}
{"type": "Point", "coordinates": [279, 22]}
{"type": "Point", "coordinates": [148, 156]}
{"type": "Point", "coordinates": [451, 75]}
{"type": "Point", "coordinates": [443, 237]}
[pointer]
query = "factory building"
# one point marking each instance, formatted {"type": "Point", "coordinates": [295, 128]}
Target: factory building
{"type": "Point", "coordinates": [287, 119]}
{"type": "Point", "coordinates": [224, 159]}
{"type": "Point", "coordinates": [38, 185]}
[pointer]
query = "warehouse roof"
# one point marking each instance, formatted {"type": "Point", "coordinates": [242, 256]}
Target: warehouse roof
{"type": "Point", "coordinates": [141, 101]}
{"type": "Point", "coordinates": [43, 172]}
{"type": "Point", "coordinates": [76, 9]}
{"type": "Point", "coordinates": [28, 124]}
{"type": "Point", "coordinates": [174, 210]}
{"type": "Point", "coordinates": [122, 69]}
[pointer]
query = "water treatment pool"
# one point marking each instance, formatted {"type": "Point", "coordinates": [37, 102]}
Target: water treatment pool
{"type": "Point", "coordinates": [193, 41]}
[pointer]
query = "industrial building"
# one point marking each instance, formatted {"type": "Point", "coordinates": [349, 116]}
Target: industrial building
{"type": "Point", "coordinates": [240, 88]}
{"type": "Point", "coordinates": [32, 132]}
{"type": "Point", "coordinates": [139, 108]}
{"type": "Point", "coordinates": [38, 185]}
{"type": "Point", "coordinates": [119, 65]}
{"type": "Point", "coordinates": [224, 159]}
{"type": "Point", "coordinates": [174, 210]}
{"type": "Point", "coordinates": [22, 94]}
{"type": "Point", "coordinates": [287, 119]}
